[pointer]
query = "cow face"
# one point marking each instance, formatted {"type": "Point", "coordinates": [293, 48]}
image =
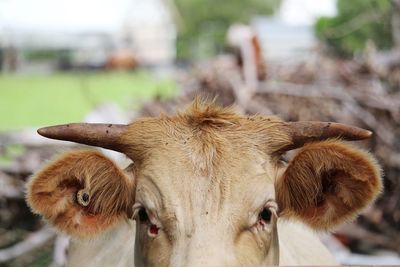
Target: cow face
{"type": "Point", "coordinates": [189, 205]}
{"type": "Point", "coordinates": [206, 187]}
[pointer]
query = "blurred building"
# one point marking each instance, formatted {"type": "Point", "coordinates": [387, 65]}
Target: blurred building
{"type": "Point", "coordinates": [149, 29]}
{"type": "Point", "coordinates": [142, 30]}
{"type": "Point", "coordinates": [283, 41]}
{"type": "Point", "coordinates": [289, 34]}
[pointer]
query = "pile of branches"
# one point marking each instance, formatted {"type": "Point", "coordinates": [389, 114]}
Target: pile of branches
{"type": "Point", "coordinates": [363, 93]}
{"type": "Point", "coordinates": [25, 240]}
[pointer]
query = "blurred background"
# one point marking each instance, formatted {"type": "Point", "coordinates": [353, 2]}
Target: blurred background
{"type": "Point", "coordinates": [114, 60]}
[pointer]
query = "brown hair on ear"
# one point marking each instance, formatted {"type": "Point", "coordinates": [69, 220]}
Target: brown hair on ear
{"type": "Point", "coordinates": [81, 193]}
{"type": "Point", "coordinates": [328, 183]}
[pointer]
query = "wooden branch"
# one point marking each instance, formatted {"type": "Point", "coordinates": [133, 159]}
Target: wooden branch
{"type": "Point", "coordinates": [356, 232]}
{"type": "Point", "coordinates": [33, 241]}
{"type": "Point", "coordinates": [369, 99]}
{"type": "Point", "coordinates": [337, 93]}
{"type": "Point", "coordinates": [60, 251]}
{"type": "Point", "coordinates": [382, 61]}
{"type": "Point", "coordinates": [10, 188]}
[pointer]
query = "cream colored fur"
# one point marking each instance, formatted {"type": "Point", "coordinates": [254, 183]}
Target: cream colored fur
{"type": "Point", "coordinates": [113, 248]}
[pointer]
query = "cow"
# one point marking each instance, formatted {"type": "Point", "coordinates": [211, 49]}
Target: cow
{"type": "Point", "coordinates": [207, 187]}
{"type": "Point", "coordinates": [121, 60]}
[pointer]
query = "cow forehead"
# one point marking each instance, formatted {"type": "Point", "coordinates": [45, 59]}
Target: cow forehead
{"type": "Point", "coordinates": [192, 173]}
{"type": "Point", "coordinates": [206, 153]}
{"type": "Point", "coordinates": [206, 133]}
{"type": "Point", "coordinates": [214, 147]}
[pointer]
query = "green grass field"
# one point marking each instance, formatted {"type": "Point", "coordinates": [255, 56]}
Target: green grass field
{"type": "Point", "coordinates": [38, 100]}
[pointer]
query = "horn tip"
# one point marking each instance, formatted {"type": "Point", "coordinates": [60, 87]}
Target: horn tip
{"type": "Point", "coordinates": [43, 131]}
{"type": "Point", "coordinates": [367, 134]}
{"type": "Point", "coordinates": [51, 131]}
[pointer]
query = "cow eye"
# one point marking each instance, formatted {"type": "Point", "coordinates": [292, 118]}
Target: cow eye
{"type": "Point", "coordinates": [265, 215]}
{"type": "Point", "coordinates": [143, 217]}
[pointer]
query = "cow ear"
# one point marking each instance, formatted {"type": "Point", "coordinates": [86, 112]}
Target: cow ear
{"type": "Point", "coordinates": [80, 193]}
{"type": "Point", "coordinates": [328, 183]}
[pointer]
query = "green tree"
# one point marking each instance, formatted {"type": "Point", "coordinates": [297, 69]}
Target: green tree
{"type": "Point", "coordinates": [205, 22]}
{"type": "Point", "coordinates": [357, 22]}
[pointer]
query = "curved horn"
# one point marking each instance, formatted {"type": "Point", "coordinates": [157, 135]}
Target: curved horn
{"type": "Point", "coordinates": [307, 131]}
{"type": "Point", "coordinates": [94, 134]}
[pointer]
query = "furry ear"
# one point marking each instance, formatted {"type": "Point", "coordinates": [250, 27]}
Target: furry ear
{"type": "Point", "coordinates": [328, 183]}
{"type": "Point", "coordinates": [81, 193]}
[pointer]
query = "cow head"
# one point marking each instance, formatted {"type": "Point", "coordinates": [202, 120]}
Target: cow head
{"type": "Point", "coordinates": [206, 186]}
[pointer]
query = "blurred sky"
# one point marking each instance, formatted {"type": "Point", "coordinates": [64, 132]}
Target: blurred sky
{"type": "Point", "coordinates": [304, 12]}
{"type": "Point", "coordinates": [74, 15]}
{"type": "Point", "coordinates": [107, 15]}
